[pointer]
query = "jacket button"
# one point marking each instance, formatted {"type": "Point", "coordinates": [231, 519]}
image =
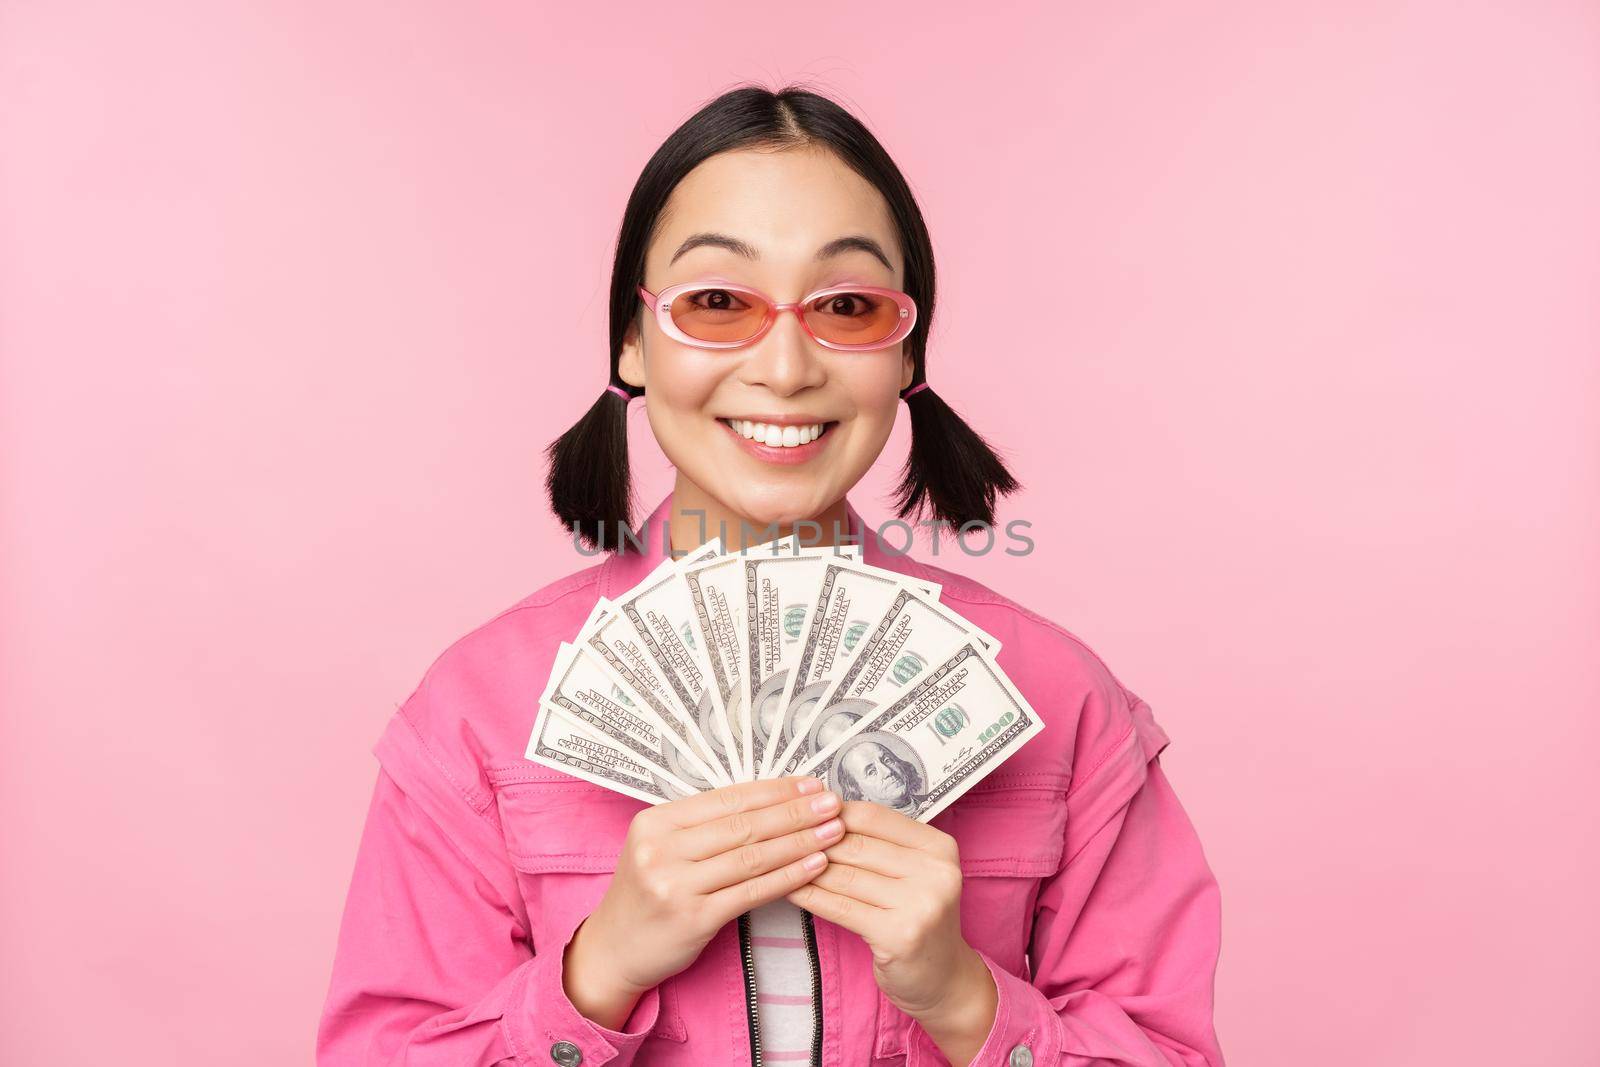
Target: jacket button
{"type": "Point", "coordinates": [1022, 1056]}
{"type": "Point", "coordinates": [568, 1055]}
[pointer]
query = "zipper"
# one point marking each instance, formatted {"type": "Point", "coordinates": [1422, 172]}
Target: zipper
{"type": "Point", "coordinates": [809, 932]}
{"type": "Point", "coordinates": [748, 955]}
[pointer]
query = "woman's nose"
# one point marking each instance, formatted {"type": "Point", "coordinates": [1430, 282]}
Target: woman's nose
{"type": "Point", "coordinates": [786, 360]}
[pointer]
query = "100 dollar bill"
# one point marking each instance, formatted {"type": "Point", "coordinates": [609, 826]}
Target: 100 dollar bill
{"type": "Point", "coordinates": [570, 746]}
{"type": "Point", "coordinates": [914, 632]}
{"type": "Point", "coordinates": [584, 690]}
{"type": "Point", "coordinates": [850, 600]}
{"type": "Point", "coordinates": [922, 751]}
{"type": "Point", "coordinates": [662, 613]}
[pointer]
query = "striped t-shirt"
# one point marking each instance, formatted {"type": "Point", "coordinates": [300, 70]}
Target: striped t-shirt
{"type": "Point", "coordinates": [783, 982]}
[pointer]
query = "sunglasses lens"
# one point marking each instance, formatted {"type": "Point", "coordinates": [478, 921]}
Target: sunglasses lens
{"type": "Point", "coordinates": [719, 314]}
{"type": "Point", "coordinates": [853, 318]}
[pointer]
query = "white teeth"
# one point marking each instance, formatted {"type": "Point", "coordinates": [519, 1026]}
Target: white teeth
{"type": "Point", "coordinates": [776, 436]}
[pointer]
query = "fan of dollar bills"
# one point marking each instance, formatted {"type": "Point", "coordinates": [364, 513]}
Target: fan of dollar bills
{"type": "Point", "coordinates": [781, 659]}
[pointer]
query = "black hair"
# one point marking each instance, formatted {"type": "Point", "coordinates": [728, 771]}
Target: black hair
{"type": "Point", "coordinates": [950, 471]}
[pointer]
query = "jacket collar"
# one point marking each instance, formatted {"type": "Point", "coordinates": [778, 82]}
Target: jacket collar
{"type": "Point", "coordinates": [623, 570]}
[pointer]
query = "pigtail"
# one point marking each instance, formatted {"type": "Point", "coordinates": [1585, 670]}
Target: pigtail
{"type": "Point", "coordinates": [589, 481]}
{"type": "Point", "coordinates": [950, 469]}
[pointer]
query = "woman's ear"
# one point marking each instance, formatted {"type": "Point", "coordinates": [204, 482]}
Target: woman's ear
{"type": "Point", "coordinates": [630, 361]}
{"type": "Point", "coordinates": [908, 370]}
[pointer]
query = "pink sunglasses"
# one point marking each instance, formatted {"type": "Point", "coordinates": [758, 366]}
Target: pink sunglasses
{"type": "Point", "coordinates": [723, 315]}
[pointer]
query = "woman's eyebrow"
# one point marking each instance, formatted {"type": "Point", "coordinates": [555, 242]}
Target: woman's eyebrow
{"type": "Point", "coordinates": [838, 246]}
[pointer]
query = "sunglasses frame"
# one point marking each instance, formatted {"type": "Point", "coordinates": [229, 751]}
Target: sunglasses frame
{"type": "Point", "coordinates": [661, 305]}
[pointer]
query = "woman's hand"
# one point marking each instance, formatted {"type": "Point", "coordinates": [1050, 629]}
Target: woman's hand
{"type": "Point", "coordinates": [897, 883]}
{"type": "Point", "coordinates": [686, 868]}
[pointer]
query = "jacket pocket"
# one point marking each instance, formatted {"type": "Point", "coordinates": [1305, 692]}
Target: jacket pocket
{"type": "Point", "coordinates": [556, 823]}
{"type": "Point", "coordinates": [1011, 825]}
{"type": "Point", "coordinates": [1010, 830]}
{"type": "Point", "coordinates": [563, 836]}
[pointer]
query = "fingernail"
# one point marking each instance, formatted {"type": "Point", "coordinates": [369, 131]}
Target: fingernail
{"type": "Point", "coordinates": [809, 785]}
{"type": "Point", "coordinates": [814, 862]}
{"type": "Point", "coordinates": [825, 803]}
{"type": "Point", "coordinates": [831, 828]}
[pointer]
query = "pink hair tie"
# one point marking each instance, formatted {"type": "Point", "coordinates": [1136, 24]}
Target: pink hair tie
{"type": "Point", "coordinates": [919, 387]}
{"type": "Point", "coordinates": [620, 391]}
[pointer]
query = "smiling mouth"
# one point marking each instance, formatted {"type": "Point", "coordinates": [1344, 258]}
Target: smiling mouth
{"type": "Point", "coordinates": [775, 436]}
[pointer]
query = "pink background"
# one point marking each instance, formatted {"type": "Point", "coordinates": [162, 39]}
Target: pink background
{"type": "Point", "coordinates": [293, 295]}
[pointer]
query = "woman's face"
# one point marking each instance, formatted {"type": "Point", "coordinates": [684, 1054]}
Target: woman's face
{"type": "Point", "coordinates": [784, 208]}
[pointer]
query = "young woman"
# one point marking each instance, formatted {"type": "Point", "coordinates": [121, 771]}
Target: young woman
{"type": "Point", "coordinates": [1061, 912]}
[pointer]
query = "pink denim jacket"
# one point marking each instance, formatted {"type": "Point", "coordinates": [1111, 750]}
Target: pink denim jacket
{"type": "Point", "coordinates": [1085, 889]}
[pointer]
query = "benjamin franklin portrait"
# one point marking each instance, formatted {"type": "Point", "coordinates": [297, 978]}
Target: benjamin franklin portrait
{"type": "Point", "coordinates": [880, 767]}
